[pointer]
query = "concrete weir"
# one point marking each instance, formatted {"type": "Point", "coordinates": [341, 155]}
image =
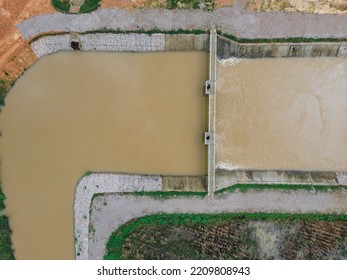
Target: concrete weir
{"type": "Point", "coordinates": [211, 164]}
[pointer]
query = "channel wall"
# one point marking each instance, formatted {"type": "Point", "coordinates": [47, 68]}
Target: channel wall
{"type": "Point", "coordinates": [159, 42]}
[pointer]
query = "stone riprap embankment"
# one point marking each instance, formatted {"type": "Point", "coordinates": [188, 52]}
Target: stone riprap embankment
{"type": "Point", "coordinates": [93, 184]}
{"type": "Point", "coordinates": [109, 211]}
{"type": "Point", "coordinates": [234, 20]}
{"type": "Point", "coordinates": [51, 44]}
{"type": "Point", "coordinates": [100, 42]}
{"type": "Point", "coordinates": [123, 42]}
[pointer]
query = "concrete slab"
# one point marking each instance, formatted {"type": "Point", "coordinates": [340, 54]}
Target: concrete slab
{"type": "Point", "coordinates": [202, 42]}
{"type": "Point", "coordinates": [179, 42]}
{"type": "Point", "coordinates": [342, 50]}
{"type": "Point", "coordinates": [324, 178]}
{"type": "Point", "coordinates": [225, 178]}
{"type": "Point", "coordinates": [273, 177]}
{"type": "Point", "coordinates": [244, 176]}
{"type": "Point", "coordinates": [196, 184]}
{"type": "Point", "coordinates": [175, 183]}
{"type": "Point", "coordinates": [257, 176]}
{"type": "Point", "coordinates": [300, 177]}
{"type": "Point", "coordinates": [249, 176]}
{"type": "Point", "coordinates": [342, 178]}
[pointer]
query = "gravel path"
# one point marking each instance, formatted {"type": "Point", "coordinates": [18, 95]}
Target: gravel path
{"type": "Point", "coordinates": [104, 183]}
{"type": "Point", "coordinates": [233, 20]}
{"type": "Point", "coordinates": [112, 210]}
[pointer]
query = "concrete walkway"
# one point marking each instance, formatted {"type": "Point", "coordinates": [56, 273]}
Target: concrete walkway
{"type": "Point", "coordinates": [233, 20]}
{"type": "Point", "coordinates": [109, 211]}
{"type": "Point", "coordinates": [102, 183]}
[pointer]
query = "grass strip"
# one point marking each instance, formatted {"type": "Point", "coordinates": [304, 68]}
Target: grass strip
{"type": "Point", "coordinates": [169, 194]}
{"type": "Point", "coordinates": [281, 40]}
{"type": "Point", "coordinates": [247, 187]}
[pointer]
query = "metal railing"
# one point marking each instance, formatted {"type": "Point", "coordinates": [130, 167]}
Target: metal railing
{"type": "Point", "coordinates": [211, 141]}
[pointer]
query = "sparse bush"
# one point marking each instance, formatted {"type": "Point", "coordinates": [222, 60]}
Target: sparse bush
{"type": "Point", "coordinates": [61, 5]}
{"type": "Point", "coordinates": [89, 5]}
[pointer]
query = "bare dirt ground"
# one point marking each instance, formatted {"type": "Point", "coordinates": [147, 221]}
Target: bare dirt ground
{"type": "Point", "coordinates": [310, 6]}
{"type": "Point", "coordinates": [238, 239]}
{"type": "Point", "coordinates": [15, 53]}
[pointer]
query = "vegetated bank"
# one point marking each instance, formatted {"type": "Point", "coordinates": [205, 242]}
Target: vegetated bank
{"type": "Point", "coordinates": [6, 250]}
{"type": "Point", "coordinates": [231, 236]}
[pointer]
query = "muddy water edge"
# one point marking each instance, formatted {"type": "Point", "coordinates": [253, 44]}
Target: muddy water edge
{"type": "Point", "coordinates": [77, 112]}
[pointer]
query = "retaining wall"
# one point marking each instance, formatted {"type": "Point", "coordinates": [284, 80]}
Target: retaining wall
{"type": "Point", "coordinates": [228, 48]}
{"type": "Point", "coordinates": [226, 178]}
{"type": "Point", "coordinates": [158, 42]}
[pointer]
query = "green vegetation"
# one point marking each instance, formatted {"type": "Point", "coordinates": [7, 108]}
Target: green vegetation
{"type": "Point", "coordinates": [162, 194]}
{"type": "Point", "coordinates": [64, 6]}
{"type": "Point", "coordinates": [208, 5]}
{"type": "Point", "coordinates": [6, 251]}
{"type": "Point", "coordinates": [152, 31]}
{"type": "Point", "coordinates": [280, 40]}
{"type": "Point", "coordinates": [89, 5]}
{"type": "Point", "coordinates": [199, 31]}
{"type": "Point", "coordinates": [2, 198]}
{"type": "Point", "coordinates": [339, 6]}
{"type": "Point", "coordinates": [220, 236]}
{"type": "Point", "coordinates": [3, 91]}
{"type": "Point", "coordinates": [87, 173]}
{"type": "Point", "coordinates": [246, 187]}
{"type": "Point", "coordinates": [61, 5]}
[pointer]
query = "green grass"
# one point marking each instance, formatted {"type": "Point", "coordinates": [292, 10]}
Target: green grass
{"type": "Point", "coordinates": [247, 187]}
{"type": "Point", "coordinates": [61, 5]}
{"type": "Point", "coordinates": [3, 91]}
{"type": "Point", "coordinates": [89, 5]}
{"type": "Point", "coordinates": [116, 241]}
{"type": "Point", "coordinates": [170, 194]}
{"type": "Point", "coordinates": [2, 198]}
{"type": "Point", "coordinates": [152, 31]}
{"type": "Point", "coordinates": [199, 31]}
{"type": "Point", "coordinates": [281, 40]}
{"type": "Point", "coordinates": [6, 251]}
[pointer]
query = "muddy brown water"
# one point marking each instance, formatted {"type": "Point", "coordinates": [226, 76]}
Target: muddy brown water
{"type": "Point", "coordinates": [75, 112]}
{"type": "Point", "coordinates": [282, 114]}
